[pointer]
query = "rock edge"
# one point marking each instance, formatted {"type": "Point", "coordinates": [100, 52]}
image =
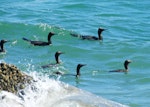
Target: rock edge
{"type": "Point", "coordinates": [12, 79]}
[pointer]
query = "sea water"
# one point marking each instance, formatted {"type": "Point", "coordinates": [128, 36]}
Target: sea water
{"type": "Point", "coordinates": [126, 37]}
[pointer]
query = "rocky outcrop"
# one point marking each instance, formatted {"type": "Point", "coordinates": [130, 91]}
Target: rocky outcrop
{"type": "Point", "coordinates": [12, 79]}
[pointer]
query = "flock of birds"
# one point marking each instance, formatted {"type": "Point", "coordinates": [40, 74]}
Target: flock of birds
{"type": "Point", "coordinates": [58, 53]}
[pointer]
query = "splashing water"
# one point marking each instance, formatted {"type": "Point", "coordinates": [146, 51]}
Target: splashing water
{"type": "Point", "coordinates": [46, 92]}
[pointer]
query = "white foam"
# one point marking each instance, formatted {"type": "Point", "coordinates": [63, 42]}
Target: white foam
{"type": "Point", "coordinates": [46, 92]}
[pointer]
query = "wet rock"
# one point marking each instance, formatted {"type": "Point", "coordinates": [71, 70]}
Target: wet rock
{"type": "Point", "coordinates": [12, 79]}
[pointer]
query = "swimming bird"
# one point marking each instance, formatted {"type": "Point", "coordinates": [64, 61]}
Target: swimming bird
{"type": "Point", "coordinates": [88, 37]}
{"type": "Point", "coordinates": [77, 71]}
{"type": "Point", "coordinates": [2, 42]}
{"type": "Point", "coordinates": [126, 63]}
{"type": "Point", "coordinates": [57, 54]}
{"type": "Point", "coordinates": [41, 43]}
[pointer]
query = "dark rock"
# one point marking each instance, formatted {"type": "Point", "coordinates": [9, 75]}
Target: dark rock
{"type": "Point", "coordinates": [12, 79]}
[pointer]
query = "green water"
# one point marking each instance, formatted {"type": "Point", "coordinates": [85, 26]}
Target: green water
{"type": "Point", "coordinates": [126, 37]}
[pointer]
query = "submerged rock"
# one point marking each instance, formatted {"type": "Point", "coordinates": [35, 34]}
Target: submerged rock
{"type": "Point", "coordinates": [12, 79]}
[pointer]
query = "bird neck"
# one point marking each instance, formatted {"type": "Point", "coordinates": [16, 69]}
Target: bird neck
{"type": "Point", "coordinates": [2, 46]}
{"type": "Point", "coordinates": [49, 39]}
{"type": "Point", "coordinates": [57, 59]}
{"type": "Point", "coordinates": [100, 36]}
{"type": "Point", "coordinates": [78, 71]}
{"type": "Point", "coordinates": [126, 66]}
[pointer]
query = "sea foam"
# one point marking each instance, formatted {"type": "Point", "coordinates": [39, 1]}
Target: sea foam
{"type": "Point", "coordinates": [47, 92]}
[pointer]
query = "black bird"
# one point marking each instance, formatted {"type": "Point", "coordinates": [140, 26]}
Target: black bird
{"type": "Point", "coordinates": [41, 43]}
{"type": "Point", "coordinates": [2, 42]}
{"type": "Point", "coordinates": [88, 37]}
{"type": "Point", "coordinates": [57, 54]}
{"type": "Point", "coordinates": [77, 71]}
{"type": "Point", "coordinates": [126, 62]}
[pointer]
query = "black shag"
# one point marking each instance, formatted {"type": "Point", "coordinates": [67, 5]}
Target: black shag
{"type": "Point", "coordinates": [41, 43]}
{"type": "Point", "coordinates": [126, 63]}
{"type": "Point", "coordinates": [2, 42]}
{"type": "Point", "coordinates": [88, 37]}
{"type": "Point", "coordinates": [77, 71]}
{"type": "Point", "coordinates": [57, 54]}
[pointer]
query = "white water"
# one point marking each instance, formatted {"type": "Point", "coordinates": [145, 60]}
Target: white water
{"type": "Point", "coordinates": [46, 92]}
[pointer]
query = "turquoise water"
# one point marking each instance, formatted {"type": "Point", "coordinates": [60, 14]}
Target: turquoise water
{"type": "Point", "coordinates": [127, 37]}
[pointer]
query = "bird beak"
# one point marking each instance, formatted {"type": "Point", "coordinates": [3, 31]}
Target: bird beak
{"type": "Point", "coordinates": [62, 52]}
{"type": "Point", "coordinates": [102, 29]}
{"type": "Point", "coordinates": [6, 41]}
{"type": "Point", "coordinates": [83, 64]}
{"type": "Point", "coordinates": [129, 61]}
{"type": "Point", "coordinates": [53, 33]}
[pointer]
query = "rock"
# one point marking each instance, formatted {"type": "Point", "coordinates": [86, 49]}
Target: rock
{"type": "Point", "coordinates": [12, 79]}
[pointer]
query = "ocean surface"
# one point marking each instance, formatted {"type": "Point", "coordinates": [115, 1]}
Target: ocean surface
{"type": "Point", "coordinates": [127, 36]}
